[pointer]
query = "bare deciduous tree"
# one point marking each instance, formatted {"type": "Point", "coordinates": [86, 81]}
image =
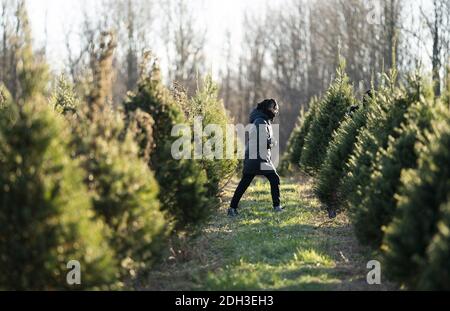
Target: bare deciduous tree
{"type": "Point", "coordinates": [184, 42]}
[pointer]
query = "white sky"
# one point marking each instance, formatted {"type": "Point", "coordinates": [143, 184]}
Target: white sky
{"type": "Point", "coordinates": [217, 16]}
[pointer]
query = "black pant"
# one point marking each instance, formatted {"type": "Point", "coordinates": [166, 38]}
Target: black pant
{"type": "Point", "coordinates": [247, 180]}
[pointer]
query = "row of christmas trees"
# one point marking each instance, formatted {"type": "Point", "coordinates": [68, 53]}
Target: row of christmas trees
{"type": "Point", "coordinates": [386, 160]}
{"type": "Point", "coordinates": [82, 180]}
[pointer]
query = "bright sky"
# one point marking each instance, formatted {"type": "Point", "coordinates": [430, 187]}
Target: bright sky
{"type": "Point", "coordinates": [217, 15]}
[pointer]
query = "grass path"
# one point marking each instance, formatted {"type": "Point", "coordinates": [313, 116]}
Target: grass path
{"type": "Point", "coordinates": [300, 249]}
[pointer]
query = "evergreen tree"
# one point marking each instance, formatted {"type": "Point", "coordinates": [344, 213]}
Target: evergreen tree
{"type": "Point", "coordinates": [64, 98]}
{"type": "Point", "coordinates": [6, 107]}
{"type": "Point", "coordinates": [26, 72]}
{"type": "Point", "coordinates": [331, 110]}
{"type": "Point", "coordinates": [413, 248]}
{"type": "Point", "coordinates": [379, 204]}
{"type": "Point", "coordinates": [446, 95]}
{"type": "Point", "coordinates": [207, 105]}
{"type": "Point", "coordinates": [141, 125]}
{"type": "Point", "coordinates": [341, 147]}
{"type": "Point", "coordinates": [125, 193]}
{"type": "Point", "coordinates": [297, 140]}
{"type": "Point", "coordinates": [99, 90]}
{"type": "Point", "coordinates": [5, 97]}
{"type": "Point", "coordinates": [436, 275]}
{"type": "Point", "coordinates": [386, 114]}
{"type": "Point", "coordinates": [46, 217]}
{"type": "Point", "coordinates": [183, 182]}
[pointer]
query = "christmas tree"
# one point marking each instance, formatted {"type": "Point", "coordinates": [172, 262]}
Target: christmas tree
{"type": "Point", "coordinates": [46, 216]}
{"type": "Point", "coordinates": [341, 147]}
{"type": "Point", "coordinates": [379, 203]}
{"type": "Point", "coordinates": [331, 110]}
{"type": "Point", "coordinates": [183, 182]}
{"type": "Point", "coordinates": [297, 140]}
{"type": "Point", "coordinates": [414, 246]}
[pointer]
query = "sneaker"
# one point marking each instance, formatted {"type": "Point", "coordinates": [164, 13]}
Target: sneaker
{"type": "Point", "coordinates": [232, 212]}
{"type": "Point", "coordinates": [278, 209]}
{"type": "Point", "coordinates": [332, 213]}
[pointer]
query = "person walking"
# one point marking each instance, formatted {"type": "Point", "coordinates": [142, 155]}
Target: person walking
{"type": "Point", "coordinates": [258, 158]}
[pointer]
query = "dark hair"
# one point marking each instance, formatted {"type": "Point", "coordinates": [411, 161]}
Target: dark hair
{"type": "Point", "coordinates": [266, 104]}
{"type": "Point", "coordinates": [367, 97]}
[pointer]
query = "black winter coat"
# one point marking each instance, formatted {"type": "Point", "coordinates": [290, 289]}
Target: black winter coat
{"type": "Point", "coordinates": [258, 161]}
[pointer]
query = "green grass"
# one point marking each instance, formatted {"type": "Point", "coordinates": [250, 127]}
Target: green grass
{"type": "Point", "coordinates": [299, 249]}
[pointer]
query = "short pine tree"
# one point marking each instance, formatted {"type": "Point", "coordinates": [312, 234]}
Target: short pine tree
{"type": "Point", "coordinates": [28, 72]}
{"type": "Point", "coordinates": [411, 243]}
{"type": "Point", "coordinates": [64, 99]}
{"type": "Point", "coordinates": [46, 216]}
{"type": "Point", "coordinates": [387, 112]}
{"type": "Point", "coordinates": [341, 147]}
{"type": "Point", "coordinates": [5, 102]}
{"type": "Point", "coordinates": [331, 110]}
{"type": "Point", "coordinates": [125, 193]}
{"type": "Point", "coordinates": [207, 105]}
{"type": "Point", "coordinates": [5, 96]}
{"type": "Point", "coordinates": [291, 159]}
{"type": "Point", "coordinates": [436, 275]}
{"type": "Point", "coordinates": [183, 182]}
{"type": "Point", "coordinates": [378, 206]}
{"type": "Point", "coordinates": [446, 96]}
{"type": "Point", "coordinates": [141, 124]}
{"type": "Point", "coordinates": [124, 189]}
